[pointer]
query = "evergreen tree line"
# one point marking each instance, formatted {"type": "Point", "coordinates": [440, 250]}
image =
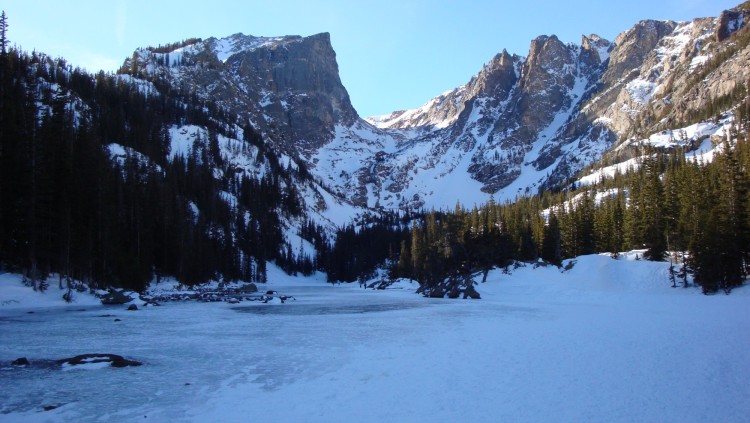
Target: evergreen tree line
{"type": "Point", "coordinates": [695, 214]}
{"type": "Point", "coordinates": [359, 250]}
{"type": "Point", "coordinates": [66, 207]}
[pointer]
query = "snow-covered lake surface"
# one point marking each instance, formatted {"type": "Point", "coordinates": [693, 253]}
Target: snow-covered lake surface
{"type": "Point", "coordinates": [608, 340]}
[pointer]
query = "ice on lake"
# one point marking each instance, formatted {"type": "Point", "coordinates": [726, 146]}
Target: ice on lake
{"type": "Point", "coordinates": [602, 342]}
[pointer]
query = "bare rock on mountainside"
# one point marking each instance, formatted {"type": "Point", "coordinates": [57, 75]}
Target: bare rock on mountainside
{"type": "Point", "coordinates": [730, 21]}
{"type": "Point", "coordinates": [287, 86]}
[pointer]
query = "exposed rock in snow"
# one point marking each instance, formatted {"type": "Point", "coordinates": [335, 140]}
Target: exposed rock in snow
{"type": "Point", "coordinates": [96, 361]}
{"type": "Point", "coordinates": [23, 361]}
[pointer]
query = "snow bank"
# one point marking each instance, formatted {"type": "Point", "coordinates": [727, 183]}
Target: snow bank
{"type": "Point", "coordinates": [14, 294]}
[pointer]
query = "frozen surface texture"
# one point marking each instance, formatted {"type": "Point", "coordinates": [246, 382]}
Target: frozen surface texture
{"type": "Point", "coordinates": [608, 340]}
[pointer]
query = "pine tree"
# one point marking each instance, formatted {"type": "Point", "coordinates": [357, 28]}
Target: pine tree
{"type": "Point", "coordinates": [705, 255]}
{"type": "Point", "coordinates": [418, 253]}
{"type": "Point", "coordinates": [618, 223]}
{"type": "Point", "coordinates": [632, 216]}
{"type": "Point", "coordinates": [551, 245]}
{"type": "Point", "coordinates": [651, 204]}
{"type": "Point", "coordinates": [568, 231]}
{"type": "Point", "coordinates": [603, 227]}
{"type": "Point", "coordinates": [671, 208]}
{"type": "Point", "coordinates": [730, 211]}
{"type": "Point", "coordinates": [584, 215]}
{"type": "Point", "coordinates": [3, 34]}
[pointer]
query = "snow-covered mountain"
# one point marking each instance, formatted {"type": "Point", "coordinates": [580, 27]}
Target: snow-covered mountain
{"type": "Point", "coordinates": [287, 86]}
{"type": "Point", "coordinates": [520, 124]}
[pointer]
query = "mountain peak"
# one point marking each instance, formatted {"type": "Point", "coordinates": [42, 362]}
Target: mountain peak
{"type": "Point", "coordinates": [503, 59]}
{"type": "Point", "coordinates": [288, 86]}
{"type": "Point", "coordinates": [595, 43]}
{"type": "Point", "coordinates": [731, 21]}
{"type": "Point", "coordinates": [236, 43]}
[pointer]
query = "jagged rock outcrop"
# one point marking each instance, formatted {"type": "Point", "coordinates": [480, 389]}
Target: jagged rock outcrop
{"type": "Point", "coordinates": [289, 87]}
{"type": "Point", "coordinates": [545, 88]}
{"type": "Point", "coordinates": [631, 48]}
{"type": "Point", "coordinates": [595, 50]}
{"type": "Point", "coordinates": [439, 112]}
{"type": "Point", "coordinates": [301, 87]}
{"type": "Point", "coordinates": [731, 21]}
{"type": "Point", "coordinates": [495, 81]}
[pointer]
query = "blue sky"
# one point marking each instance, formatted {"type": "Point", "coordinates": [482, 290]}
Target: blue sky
{"type": "Point", "coordinates": [392, 54]}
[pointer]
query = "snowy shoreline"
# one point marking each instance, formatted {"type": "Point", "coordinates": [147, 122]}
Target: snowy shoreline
{"type": "Point", "coordinates": [607, 340]}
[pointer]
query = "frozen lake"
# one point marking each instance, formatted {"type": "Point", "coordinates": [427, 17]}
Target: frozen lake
{"type": "Point", "coordinates": [190, 350]}
{"type": "Point", "coordinates": [539, 346]}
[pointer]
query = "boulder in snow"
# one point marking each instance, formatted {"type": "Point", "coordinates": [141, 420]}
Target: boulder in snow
{"type": "Point", "coordinates": [113, 360]}
{"type": "Point", "coordinates": [248, 288]}
{"type": "Point", "coordinates": [23, 361]}
{"type": "Point", "coordinates": [115, 297]}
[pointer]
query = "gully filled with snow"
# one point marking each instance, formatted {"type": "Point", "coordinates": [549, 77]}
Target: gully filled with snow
{"type": "Point", "coordinates": [608, 340]}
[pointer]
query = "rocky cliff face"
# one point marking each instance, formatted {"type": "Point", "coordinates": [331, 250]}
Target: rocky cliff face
{"type": "Point", "coordinates": [289, 87]}
{"type": "Point", "coordinates": [570, 104]}
{"type": "Point", "coordinates": [509, 115]}
{"type": "Point", "coordinates": [519, 124]}
{"type": "Point", "coordinates": [730, 21]}
{"type": "Point", "coordinates": [495, 80]}
{"type": "Point", "coordinates": [681, 71]}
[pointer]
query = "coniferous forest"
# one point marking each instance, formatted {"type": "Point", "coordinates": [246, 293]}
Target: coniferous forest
{"type": "Point", "coordinates": [68, 208]}
{"type": "Point", "coordinates": [694, 214]}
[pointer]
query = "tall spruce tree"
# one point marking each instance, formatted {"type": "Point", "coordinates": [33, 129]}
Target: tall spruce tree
{"type": "Point", "coordinates": [551, 244]}
{"type": "Point", "coordinates": [730, 211]}
{"type": "Point", "coordinates": [3, 34]}
{"type": "Point", "coordinates": [651, 204]}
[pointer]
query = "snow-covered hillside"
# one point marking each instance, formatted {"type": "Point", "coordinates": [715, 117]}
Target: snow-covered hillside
{"type": "Point", "coordinates": [322, 208]}
{"type": "Point", "coordinates": [438, 113]}
{"type": "Point", "coordinates": [700, 141]}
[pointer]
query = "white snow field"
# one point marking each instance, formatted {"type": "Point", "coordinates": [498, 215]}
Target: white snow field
{"type": "Point", "coordinates": [609, 340]}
